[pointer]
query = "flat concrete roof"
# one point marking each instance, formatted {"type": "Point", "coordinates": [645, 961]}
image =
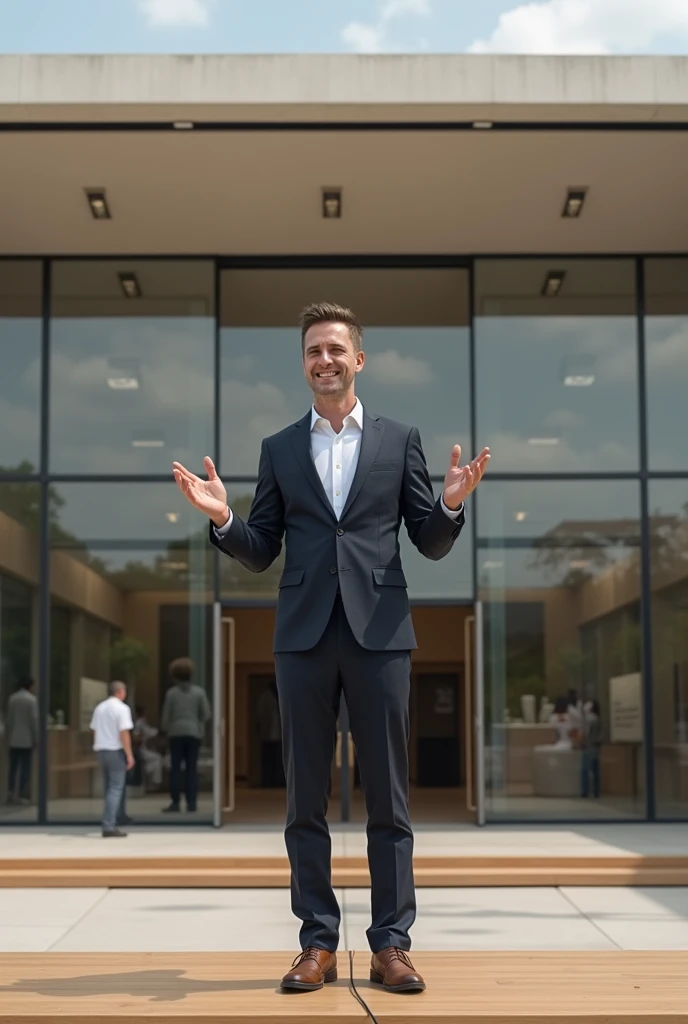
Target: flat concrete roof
{"type": "Point", "coordinates": [338, 86]}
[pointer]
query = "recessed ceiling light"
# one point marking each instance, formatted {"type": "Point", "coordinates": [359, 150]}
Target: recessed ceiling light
{"type": "Point", "coordinates": [483, 124]}
{"type": "Point", "coordinates": [124, 374]}
{"type": "Point", "coordinates": [130, 285]}
{"type": "Point", "coordinates": [97, 200]}
{"type": "Point", "coordinates": [578, 371]}
{"type": "Point", "coordinates": [575, 198]}
{"type": "Point", "coordinates": [183, 126]}
{"type": "Point", "coordinates": [520, 517]}
{"type": "Point", "coordinates": [172, 517]}
{"type": "Point", "coordinates": [332, 203]}
{"type": "Point", "coordinates": [147, 440]}
{"type": "Point", "coordinates": [553, 283]}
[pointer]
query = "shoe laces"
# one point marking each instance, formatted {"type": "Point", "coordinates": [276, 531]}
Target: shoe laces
{"type": "Point", "coordinates": [310, 953]}
{"type": "Point", "coordinates": [402, 955]}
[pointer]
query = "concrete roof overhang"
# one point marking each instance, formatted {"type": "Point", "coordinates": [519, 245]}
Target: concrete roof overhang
{"type": "Point", "coordinates": [396, 133]}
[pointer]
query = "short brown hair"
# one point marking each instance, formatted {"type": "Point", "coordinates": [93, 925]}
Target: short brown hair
{"type": "Point", "coordinates": [330, 313]}
{"type": "Point", "coordinates": [182, 670]}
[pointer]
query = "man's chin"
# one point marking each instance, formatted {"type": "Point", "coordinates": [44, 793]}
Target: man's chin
{"type": "Point", "coordinates": [326, 388]}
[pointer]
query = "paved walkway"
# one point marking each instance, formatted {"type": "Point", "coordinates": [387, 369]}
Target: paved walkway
{"type": "Point", "coordinates": [350, 841]}
{"type": "Point", "coordinates": [212, 920]}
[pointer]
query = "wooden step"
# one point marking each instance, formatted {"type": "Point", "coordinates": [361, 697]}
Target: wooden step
{"type": "Point", "coordinates": [347, 872]}
{"type": "Point", "coordinates": [222, 988]}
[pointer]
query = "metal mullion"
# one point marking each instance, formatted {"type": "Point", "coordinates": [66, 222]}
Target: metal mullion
{"type": "Point", "coordinates": [645, 559]}
{"type": "Point", "coordinates": [44, 551]}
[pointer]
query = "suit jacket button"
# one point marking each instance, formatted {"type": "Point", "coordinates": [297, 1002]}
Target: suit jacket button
{"type": "Point", "coordinates": [333, 570]}
{"type": "Point", "coordinates": [340, 532]}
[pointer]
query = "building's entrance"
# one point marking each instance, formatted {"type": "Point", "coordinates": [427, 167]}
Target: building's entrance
{"type": "Point", "coordinates": [440, 749]}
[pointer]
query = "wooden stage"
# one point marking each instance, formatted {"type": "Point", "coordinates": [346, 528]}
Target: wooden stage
{"type": "Point", "coordinates": [196, 872]}
{"type": "Point", "coordinates": [470, 988]}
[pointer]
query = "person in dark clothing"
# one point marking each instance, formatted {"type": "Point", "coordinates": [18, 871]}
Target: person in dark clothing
{"type": "Point", "coordinates": [591, 742]}
{"type": "Point", "coordinates": [185, 714]}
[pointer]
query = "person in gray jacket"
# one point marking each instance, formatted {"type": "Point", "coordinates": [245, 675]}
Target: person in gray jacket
{"type": "Point", "coordinates": [22, 736]}
{"type": "Point", "coordinates": [185, 713]}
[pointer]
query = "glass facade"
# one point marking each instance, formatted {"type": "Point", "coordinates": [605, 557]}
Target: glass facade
{"type": "Point", "coordinates": [571, 370]}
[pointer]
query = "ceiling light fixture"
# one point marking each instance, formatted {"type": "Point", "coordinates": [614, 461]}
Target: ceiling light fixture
{"type": "Point", "coordinates": [147, 440]}
{"type": "Point", "coordinates": [575, 198]}
{"type": "Point", "coordinates": [97, 200]}
{"type": "Point", "coordinates": [553, 283]}
{"type": "Point", "coordinates": [130, 285]}
{"type": "Point", "coordinates": [332, 203]}
{"type": "Point", "coordinates": [578, 371]}
{"type": "Point", "coordinates": [183, 126]}
{"type": "Point", "coordinates": [172, 517]}
{"type": "Point", "coordinates": [484, 125]}
{"type": "Point", "coordinates": [124, 374]}
{"type": "Point", "coordinates": [520, 517]}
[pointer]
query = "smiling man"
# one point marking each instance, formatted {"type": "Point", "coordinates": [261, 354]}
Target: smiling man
{"type": "Point", "coordinates": [337, 485]}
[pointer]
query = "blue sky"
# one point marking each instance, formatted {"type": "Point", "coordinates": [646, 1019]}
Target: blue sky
{"type": "Point", "coordinates": [335, 26]}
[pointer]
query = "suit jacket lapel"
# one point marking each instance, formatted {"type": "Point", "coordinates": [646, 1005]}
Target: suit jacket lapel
{"type": "Point", "coordinates": [373, 430]}
{"type": "Point", "coordinates": [301, 441]}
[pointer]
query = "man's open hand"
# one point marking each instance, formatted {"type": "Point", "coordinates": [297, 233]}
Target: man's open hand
{"type": "Point", "coordinates": [208, 496]}
{"type": "Point", "coordinates": [461, 480]}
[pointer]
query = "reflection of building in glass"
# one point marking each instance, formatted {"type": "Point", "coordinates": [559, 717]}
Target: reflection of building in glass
{"type": "Point", "coordinates": [143, 348]}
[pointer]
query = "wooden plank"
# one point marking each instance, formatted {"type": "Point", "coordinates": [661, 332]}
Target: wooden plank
{"type": "Point", "coordinates": [273, 872]}
{"type": "Point", "coordinates": [463, 988]}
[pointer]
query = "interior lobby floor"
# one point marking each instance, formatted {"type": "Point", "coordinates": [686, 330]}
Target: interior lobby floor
{"type": "Point", "coordinates": [267, 806]}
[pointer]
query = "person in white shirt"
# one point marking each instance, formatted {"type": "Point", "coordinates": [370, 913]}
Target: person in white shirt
{"type": "Point", "coordinates": [111, 724]}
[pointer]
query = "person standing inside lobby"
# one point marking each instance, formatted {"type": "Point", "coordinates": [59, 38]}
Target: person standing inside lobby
{"type": "Point", "coordinates": [22, 737]}
{"type": "Point", "coordinates": [185, 714]}
{"type": "Point", "coordinates": [112, 725]}
{"type": "Point", "coordinates": [338, 483]}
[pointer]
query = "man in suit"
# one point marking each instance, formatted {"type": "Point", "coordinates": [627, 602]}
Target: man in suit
{"type": "Point", "coordinates": [338, 483]}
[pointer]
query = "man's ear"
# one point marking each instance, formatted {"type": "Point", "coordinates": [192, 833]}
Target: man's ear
{"type": "Point", "coordinates": [360, 361]}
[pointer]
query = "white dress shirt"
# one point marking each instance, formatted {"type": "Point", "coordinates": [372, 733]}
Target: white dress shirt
{"type": "Point", "coordinates": [335, 457]}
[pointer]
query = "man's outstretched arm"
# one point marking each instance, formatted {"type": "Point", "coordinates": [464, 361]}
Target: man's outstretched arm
{"type": "Point", "coordinates": [255, 543]}
{"type": "Point", "coordinates": [433, 525]}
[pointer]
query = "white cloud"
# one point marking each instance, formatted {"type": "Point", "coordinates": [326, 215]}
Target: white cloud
{"type": "Point", "coordinates": [363, 38]}
{"type": "Point", "coordinates": [400, 8]}
{"type": "Point", "coordinates": [373, 36]}
{"type": "Point", "coordinates": [585, 26]}
{"type": "Point", "coordinates": [392, 368]}
{"type": "Point", "coordinates": [177, 13]}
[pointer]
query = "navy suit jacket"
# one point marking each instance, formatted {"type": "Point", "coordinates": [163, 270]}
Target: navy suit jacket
{"type": "Point", "coordinates": [359, 554]}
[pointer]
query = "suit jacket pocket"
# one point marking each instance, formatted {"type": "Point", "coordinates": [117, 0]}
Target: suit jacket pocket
{"type": "Point", "coordinates": [291, 577]}
{"type": "Point", "coordinates": [385, 577]}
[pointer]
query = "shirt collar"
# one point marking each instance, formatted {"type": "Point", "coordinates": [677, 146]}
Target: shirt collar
{"type": "Point", "coordinates": [355, 416]}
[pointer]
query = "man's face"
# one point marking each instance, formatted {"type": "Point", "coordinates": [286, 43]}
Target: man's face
{"type": "Point", "coordinates": [329, 360]}
{"type": "Point", "coordinates": [121, 694]}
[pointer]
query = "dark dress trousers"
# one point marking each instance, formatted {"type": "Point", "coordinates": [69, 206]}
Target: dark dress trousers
{"type": "Point", "coordinates": [343, 623]}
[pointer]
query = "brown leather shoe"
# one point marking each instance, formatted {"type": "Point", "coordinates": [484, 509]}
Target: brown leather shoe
{"type": "Point", "coordinates": [311, 970]}
{"type": "Point", "coordinates": [392, 968]}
